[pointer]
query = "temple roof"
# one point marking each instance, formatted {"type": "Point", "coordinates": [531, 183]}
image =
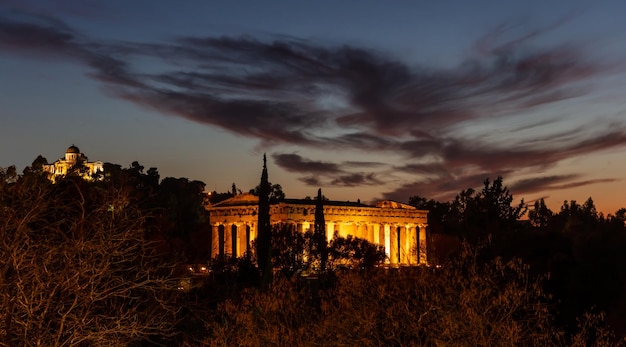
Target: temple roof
{"type": "Point", "coordinates": [239, 200]}
{"type": "Point", "coordinates": [247, 199]}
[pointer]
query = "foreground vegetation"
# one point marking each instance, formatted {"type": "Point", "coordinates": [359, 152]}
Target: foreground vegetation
{"type": "Point", "coordinates": [464, 303]}
{"type": "Point", "coordinates": [97, 263]}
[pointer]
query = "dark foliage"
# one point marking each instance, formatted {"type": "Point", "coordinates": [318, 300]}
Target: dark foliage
{"type": "Point", "coordinates": [264, 238]}
{"type": "Point", "coordinates": [579, 249]}
{"type": "Point", "coordinates": [321, 246]}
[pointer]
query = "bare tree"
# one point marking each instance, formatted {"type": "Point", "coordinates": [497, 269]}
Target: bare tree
{"type": "Point", "coordinates": [76, 270]}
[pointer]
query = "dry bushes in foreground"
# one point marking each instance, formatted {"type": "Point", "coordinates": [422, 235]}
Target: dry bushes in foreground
{"type": "Point", "coordinates": [76, 270]}
{"type": "Point", "coordinates": [461, 304]}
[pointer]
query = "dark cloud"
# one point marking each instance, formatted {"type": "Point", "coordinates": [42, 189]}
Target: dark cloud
{"type": "Point", "coordinates": [446, 189]}
{"type": "Point", "coordinates": [584, 183]}
{"type": "Point", "coordinates": [271, 90]}
{"type": "Point", "coordinates": [295, 163]}
{"type": "Point", "coordinates": [424, 169]}
{"type": "Point", "coordinates": [355, 179]}
{"type": "Point", "coordinates": [89, 9]}
{"type": "Point", "coordinates": [538, 184]}
{"type": "Point", "coordinates": [323, 173]}
{"type": "Point", "coordinates": [368, 164]}
{"type": "Point", "coordinates": [44, 36]}
{"type": "Point", "coordinates": [440, 188]}
{"type": "Point", "coordinates": [311, 181]}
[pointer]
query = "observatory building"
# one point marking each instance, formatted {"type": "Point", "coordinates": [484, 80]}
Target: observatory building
{"type": "Point", "coordinates": [73, 157]}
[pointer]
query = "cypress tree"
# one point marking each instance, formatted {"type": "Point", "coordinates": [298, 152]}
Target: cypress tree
{"type": "Point", "coordinates": [320, 231]}
{"type": "Point", "coordinates": [264, 237]}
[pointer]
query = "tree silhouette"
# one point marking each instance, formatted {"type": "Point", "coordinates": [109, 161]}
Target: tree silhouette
{"type": "Point", "coordinates": [320, 231]}
{"type": "Point", "coordinates": [288, 249]}
{"type": "Point", "coordinates": [264, 237]}
{"type": "Point", "coordinates": [8, 175]}
{"type": "Point", "coordinates": [488, 213]}
{"type": "Point", "coordinates": [354, 252]}
{"type": "Point", "coordinates": [37, 165]}
{"type": "Point", "coordinates": [276, 192]}
{"type": "Point", "coordinates": [540, 216]}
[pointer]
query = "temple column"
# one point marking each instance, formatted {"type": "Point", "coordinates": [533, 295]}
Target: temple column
{"type": "Point", "coordinates": [305, 226]}
{"type": "Point", "coordinates": [330, 230]}
{"type": "Point", "coordinates": [362, 231]}
{"type": "Point", "coordinates": [236, 239]}
{"type": "Point", "coordinates": [412, 238]}
{"type": "Point", "coordinates": [393, 250]}
{"type": "Point", "coordinates": [376, 232]}
{"type": "Point", "coordinates": [345, 229]}
{"type": "Point", "coordinates": [228, 240]}
{"type": "Point", "coordinates": [215, 240]}
{"type": "Point", "coordinates": [423, 258]}
{"type": "Point", "coordinates": [242, 245]}
{"type": "Point", "coordinates": [387, 233]}
{"type": "Point", "coordinates": [235, 233]}
{"type": "Point", "coordinates": [247, 239]}
{"type": "Point", "coordinates": [403, 249]}
{"type": "Point", "coordinates": [340, 228]}
{"type": "Point", "coordinates": [253, 232]}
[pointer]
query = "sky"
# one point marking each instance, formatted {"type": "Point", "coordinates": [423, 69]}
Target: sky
{"type": "Point", "coordinates": [365, 99]}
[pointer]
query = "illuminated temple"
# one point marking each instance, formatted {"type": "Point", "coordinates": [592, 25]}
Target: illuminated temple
{"type": "Point", "coordinates": [400, 228]}
{"type": "Point", "coordinates": [73, 157]}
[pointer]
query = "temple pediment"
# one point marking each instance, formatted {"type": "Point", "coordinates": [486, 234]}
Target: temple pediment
{"type": "Point", "coordinates": [393, 204]}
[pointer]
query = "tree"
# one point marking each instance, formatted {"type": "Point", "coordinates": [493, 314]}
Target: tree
{"type": "Point", "coordinates": [276, 192]}
{"type": "Point", "coordinates": [495, 199]}
{"type": "Point", "coordinates": [541, 215]}
{"type": "Point", "coordinates": [264, 237]}
{"type": "Point", "coordinates": [76, 269]}
{"type": "Point", "coordinates": [234, 190]}
{"type": "Point", "coordinates": [320, 231]}
{"type": "Point", "coordinates": [37, 165]}
{"type": "Point", "coordinates": [487, 213]}
{"type": "Point", "coordinates": [621, 215]}
{"type": "Point", "coordinates": [576, 218]}
{"type": "Point", "coordinates": [288, 249]}
{"type": "Point", "coordinates": [8, 175]}
{"type": "Point", "coordinates": [179, 206]}
{"type": "Point", "coordinates": [352, 251]}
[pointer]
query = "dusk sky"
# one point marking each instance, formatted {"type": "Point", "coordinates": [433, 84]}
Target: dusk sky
{"type": "Point", "coordinates": [365, 99]}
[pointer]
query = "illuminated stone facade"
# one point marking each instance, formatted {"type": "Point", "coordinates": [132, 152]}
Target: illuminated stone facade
{"type": "Point", "coordinates": [73, 156]}
{"type": "Point", "coordinates": [400, 228]}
